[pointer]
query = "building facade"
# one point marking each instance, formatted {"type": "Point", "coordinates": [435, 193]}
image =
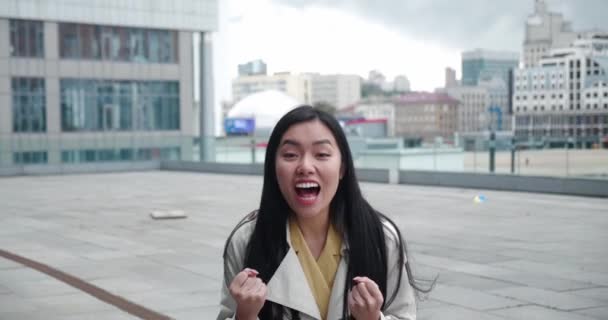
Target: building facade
{"type": "Point", "coordinates": [483, 65]}
{"type": "Point", "coordinates": [450, 78]}
{"type": "Point", "coordinates": [84, 81]}
{"type": "Point", "coordinates": [378, 108]}
{"type": "Point", "coordinates": [482, 108]}
{"type": "Point", "coordinates": [545, 30]}
{"type": "Point", "coordinates": [419, 115]}
{"type": "Point", "coordinates": [401, 84]}
{"type": "Point", "coordinates": [298, 86]}
{"type": "Point", "coordinates": [565, 98]}
{"type": "Point", "coordinates": [339, 90]}
{"type": "Point", "coordinates": [251, 68]}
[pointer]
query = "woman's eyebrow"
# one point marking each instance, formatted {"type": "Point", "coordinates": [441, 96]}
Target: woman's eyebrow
{"type": "Point", "coordinates": [323, 141]}
{"type": "Point", "coordinates": [297, 144]}
{"type": "Point", "coordinates": [290, 142]}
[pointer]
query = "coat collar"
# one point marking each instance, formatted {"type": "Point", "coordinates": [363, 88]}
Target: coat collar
{"type": "Point", "coordinates": [289, 287]}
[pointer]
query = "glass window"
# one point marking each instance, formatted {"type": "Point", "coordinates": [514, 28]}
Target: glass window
{"type": "Point", "coordinates": [90, 41]}
{"type": "Point", "coordinates": [117, 43]}
{"type": "Point", "coordinates": [30, 157]}
{"type": "Point", "coordinates": [91, 105]}
{"type": "Point", "coordinates": [26, 38]}
{"type": "Point", "coordinates": [29, 105]}
{"type": "Point", "coordinates": [122, 50]}
{"type": "Point", "coordinates": [154, 45]}
{"type": "Point", "coordinates": [68, 40]}
{"type": "Point", "coordinates": [106, 43]}
{"type": "Point", "coordinates": [165, 46]}
{"type": "Point", "coordinates": [138, 45]}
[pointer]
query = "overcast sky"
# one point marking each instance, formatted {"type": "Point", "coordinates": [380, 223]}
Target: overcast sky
{"type": "Point", "coordinates": [417, 38]}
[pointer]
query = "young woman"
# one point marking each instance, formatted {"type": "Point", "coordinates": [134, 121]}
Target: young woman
{"type": "Point", "coordinates": [315, 248]}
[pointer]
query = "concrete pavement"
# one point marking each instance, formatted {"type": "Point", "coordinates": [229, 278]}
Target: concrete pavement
{"type": "Point", "coordinates": [515, 256]}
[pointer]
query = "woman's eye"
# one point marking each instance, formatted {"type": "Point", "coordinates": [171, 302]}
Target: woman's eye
{"type": "Point", "coordinates": [289, 155]}
{"type": "Point", "coordinates": [323, 155]}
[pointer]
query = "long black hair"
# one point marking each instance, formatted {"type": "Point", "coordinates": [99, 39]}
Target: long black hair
{"type": "Point", "coordinates": [360, 225]}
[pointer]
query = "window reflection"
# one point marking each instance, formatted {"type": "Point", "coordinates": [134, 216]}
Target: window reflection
{"type": "Point", "coordinates": [30, 157]}
{"type": "Point", "coordinates": [101, 105]}
{"type": "Point", "coordinates": [29, 105]}
{"type": "Point", "coordinates": [124, 154]}
{"type": "Point", "coordinates": [26, 38]}
{"type": "Point", "coordinates": [81, 41]}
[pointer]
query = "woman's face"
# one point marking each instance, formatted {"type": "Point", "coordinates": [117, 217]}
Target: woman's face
{"type": "Point", "coordinates": [308, 168]}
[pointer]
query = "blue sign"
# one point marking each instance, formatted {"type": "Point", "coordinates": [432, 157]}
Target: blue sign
{"type": "Point", "coordinates": [239, 126]}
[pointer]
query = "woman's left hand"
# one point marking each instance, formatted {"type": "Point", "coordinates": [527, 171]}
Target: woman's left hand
{"type": "Point", "coordinates": [365, 299]}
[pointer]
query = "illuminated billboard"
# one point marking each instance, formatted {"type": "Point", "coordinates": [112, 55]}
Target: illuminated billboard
{"type": "Point", "coordinates": [239, 126]}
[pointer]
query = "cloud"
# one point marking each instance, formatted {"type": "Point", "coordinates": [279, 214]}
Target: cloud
{"type": "Point", "coordinates": [464, 24]}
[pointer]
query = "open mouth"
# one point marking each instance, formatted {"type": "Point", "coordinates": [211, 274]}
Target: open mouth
{"type": "Point", "coordinates": [307, 191]}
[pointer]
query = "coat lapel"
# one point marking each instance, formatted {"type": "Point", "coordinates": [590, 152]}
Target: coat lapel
{"type": "Point", "coordinates": [289, 287]}
{"type": "Point", "coordinates": [337, 292]}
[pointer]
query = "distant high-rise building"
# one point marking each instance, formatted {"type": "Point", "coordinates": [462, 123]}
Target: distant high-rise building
{"type": "Point", "coordinates": [482, 65]}
{"type": "Point", "coordinates": [376, 77]}
{"type": "Point", "coordinates": [566, 95]}
{"type": "Point", "coordinates": [339, 90]}
{"type": "Point", "coordinates": [545, 30]}
{"type": "Point", "coordinates": [450, 78]}
{"type": "Point", "coordinates": [427, 116]}
{"type": "Point", "coordinates": [401, 84]}
{"type": "Point", "coordinates": [252, 68]}
{"type": "Point", "coordinates": [479, 107]}
{"type": "Point", "coordinates": [294, 85]}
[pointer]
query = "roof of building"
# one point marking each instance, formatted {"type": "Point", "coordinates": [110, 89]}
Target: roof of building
{"type": "Point", "coordinates": [416, 98]}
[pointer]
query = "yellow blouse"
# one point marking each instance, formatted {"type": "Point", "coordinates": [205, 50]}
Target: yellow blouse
{"type": "Point", "coordinates": [319, 273]}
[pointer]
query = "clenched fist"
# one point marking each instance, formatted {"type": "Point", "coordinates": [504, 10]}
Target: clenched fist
{"type": "Point", "coordinates": [365, 299]}
{"type": "Point", "coordinates": [249, 292]}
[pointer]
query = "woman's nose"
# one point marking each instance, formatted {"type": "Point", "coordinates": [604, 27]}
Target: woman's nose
{"type": "Point", "coordinates": [305, 166]}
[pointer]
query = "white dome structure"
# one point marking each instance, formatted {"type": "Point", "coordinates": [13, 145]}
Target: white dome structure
{"type": "Point", "coordinates": [266, 107]}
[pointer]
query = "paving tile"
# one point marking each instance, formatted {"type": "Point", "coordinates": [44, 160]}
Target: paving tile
{"type": "Point", "coordinates": [543, 281]}
{"type": "Point", "coordinates": [600, 313]}
{"type": "Point", "coordinates": [125, 285]}
{"type": "Point", "coordinates": [43, 288]}
{"type": "Point", "coordinates": [21, 275]}
{"type": "Point", "coordinates": [472, 299]}
{"type": "Point", "coordinates": [195, 313]}
{"type": "Point", "coordinates": [455, 313]}
{"type": "Point", "coordinates": [550, 299]}
{"type": "Point", "coordinates": [468, 281]}
{"type": "Point", "coordinates": [97, 227]}
{"type": "Point", "coordinates": [72, 304]}
{"type": "Point", "coordinates": [9, 264]}
{"type": "Point", "coordinates": [11, 303]}
{"type": "Point", "coordinates": [532, 312]}
{"type": "Point", "coordinates": [557, 270]}
{"type": "Point", "coordinates": [595, 293]}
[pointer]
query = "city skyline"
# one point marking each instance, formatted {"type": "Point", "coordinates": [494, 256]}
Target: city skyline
{"type": "Point", "coordinates": [300, 36]}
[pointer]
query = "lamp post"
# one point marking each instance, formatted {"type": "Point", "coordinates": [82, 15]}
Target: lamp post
{"type": "Point", "coordinates": [492, 142]}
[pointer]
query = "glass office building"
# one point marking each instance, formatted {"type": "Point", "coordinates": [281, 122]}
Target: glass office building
{"type": "Point", "coordinates": [93, 81]}
{"type": "Point", "coordinates": [483, 65]}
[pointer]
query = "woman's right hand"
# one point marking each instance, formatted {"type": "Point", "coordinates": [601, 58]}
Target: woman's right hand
{"type": "Point", "coordinates": [249, 292]}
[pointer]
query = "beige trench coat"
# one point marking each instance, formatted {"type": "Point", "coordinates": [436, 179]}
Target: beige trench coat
{"type": "Point", "coordinates": [289, 287]}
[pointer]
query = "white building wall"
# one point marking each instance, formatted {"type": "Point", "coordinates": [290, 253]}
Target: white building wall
{"type": "Point", "coordinates": [338, 90]}
{"type": "Point", "coordinates": [184, 16]}
{"type": "Point", "coordinates": [192, 15]}
{"type": "Point", "coordinates": [295, 85]}
{"type": "Point", "coordinates": [380, 110]}
{"type": "Point", "coordinates": [567, 86]}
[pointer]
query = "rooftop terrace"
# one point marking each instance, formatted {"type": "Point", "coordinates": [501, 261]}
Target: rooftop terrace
{"type": "Point", "coordinates": [514, 256]}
